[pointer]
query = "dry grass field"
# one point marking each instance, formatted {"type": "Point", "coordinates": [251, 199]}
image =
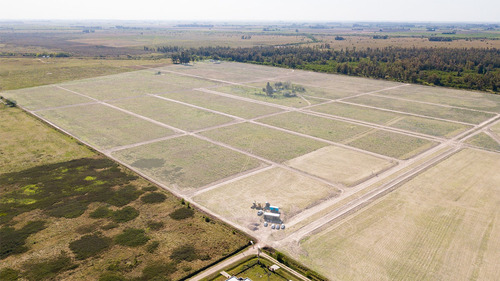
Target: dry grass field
{"type": "Point", "coordinates": [219, 103]}
{"type": "Point", "coordinates": [27, 142]}
{"type": "Point", "coordinates": [45, 96]}
{"type": "Point", "coordinates": [186, 163]}
{"type": "Point", "coordinates": [340, 165]}
{"type": "Point", "coordinates": [454, 114]}
{"type": "Point", "coordinates": [324, 128]}
{"type": "Point", "coordinates": [272, 144]}
{"type": "Point", "coordinates": [104, 127]}
{"type": "Point", "coordinates": [290, 191]}
{"type": "Point", "coordinates": [482, 140]}
{"type": "Point", "coordinates": [392, 144]}
{"type": "Point", "coordinates": [452, 97]}
{"type": "Point", "coordinates": [430, 126]}
{"type": "Point", "coordinates": [439, 226]}
{"type": "Point", "coordinates": [496, 128]}
{"type": "Point", "coordinates": [357, 112]}
{"type": "Point", "coordinates": [171, 113]}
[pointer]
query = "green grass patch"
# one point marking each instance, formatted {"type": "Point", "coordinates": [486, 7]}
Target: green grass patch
{"type": "Point", "coordinates": [392, 144]}
{"type": "Point", "coordinates": [155, 225]}
{"type": "Point", "coordinates": [153, 198]}
{"type": "Point", "coordinates": [268, 143]}
{"type": "Point", "coordinates": [158, 271]}
{"type": "Point", "coordinates": [13, 241]}
{"type": "Point", "coordinates": [184, 253]}
{"type": "Point", "coordinates": [9, 274]}
{"type": "Point", "coordinates": [324, 128]}
{"type": "Point", "coordinates": [132, 237]}
{"type": "Point", "coordinates": [90, 246]}
{"type": "Point", "coordinates": [152, 247]}
{"type": "Point", "coordinates": [189, 161]}
{"type": "Point", "coordinates": [101, 212]}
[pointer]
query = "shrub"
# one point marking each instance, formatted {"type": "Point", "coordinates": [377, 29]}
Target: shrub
{"type": "Point", "coordinates": [155, 225]}
{"type": "Point", "coordinates": [150, 188]}
{"type": "Point", "coordinates": [184, 253]}
{"type": "Point", "coordinates": [12, 241]}
{"type": "Point", "coordinates": [68, 209]}
{"type": "Point", "coordinates": [90, 245]}
{"type": "Point", "coordinates": [182, 213]}
{"type": "Point", "coordinates": [132, 237]}
{"type": "Point", "coordinates": [158, 271]}
{"type": "Point", "coordinates": [126, 214]}
{"type": "Point", "coordinates": [154, 197]}
{"type": "Point", "coordinates": [48, 269]}
{"type": "Point", "coordinates": [124, 195]}
{"type": "Point", "coordinates": [84, 229]}
{"type": "Point", "coordinates": [101, 212]}
{"type": "Point", "coordinates": [111, 277]}
{"type": "Point", "coordinates": [109, 226]}
{"type": "Point", "coordinates": [152, 246]}
{"type": "Point", "coordinates": [9, 274]}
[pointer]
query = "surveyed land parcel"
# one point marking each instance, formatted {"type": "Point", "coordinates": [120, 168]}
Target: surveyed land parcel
{"type": "Point", "coordinates": [439, 225]}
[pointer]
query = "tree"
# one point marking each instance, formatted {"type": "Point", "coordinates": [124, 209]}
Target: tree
{"type": "Point", "coordinates": [269, 90]}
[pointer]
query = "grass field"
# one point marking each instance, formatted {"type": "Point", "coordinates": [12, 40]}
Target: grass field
{"type": "Point", "coordinates": [357, 112]}
{"type": "Point", "coordinates": [269, 143]}
{"type": "Point", "coordinates": [116, 129]}
{"type": "Point", "coordinates": [49, 193]}
{"type": "Point", "coordinates": [43, 97]}
{"type": "Point", "coordinates": [256, 93]}
{"type": "Point", "coordinates": [186, 163]}
{"type": "Point", "coordinates": [392, 144]}
{"type": "Point", "coordinates": [482, 140]}
{"type": "Point", "coordinates": [19, 73]}
{"type": "Point", "coordinates": [339, 85]}
{"type": "Point", "coordinates": [440, 95]}
{"type": "Point", "coordinates": [340, 165]}
{"type": "Point", "coordinates": [171, 113]}
{"type": "Point", "coordinates": [455, 114]}
{"type": "Point", "coordinates": [496, 128]}
{"type": "Point", "coordinates": [430, 126]}
{"type": "Point", "coordinates": [227, 105]}
{"type": "Point", "coordinates": [291, 191]}
{"type": "Point", "coordinates": [440, 225]}
{"type": "Point", "coordinates": [27, 142]}
{"type": "Point", "coordinates": [228, 71]}
{"type": "Point", "coordinates": [324, 128]}
{"type": "Point", "coordinates": [256, 271]}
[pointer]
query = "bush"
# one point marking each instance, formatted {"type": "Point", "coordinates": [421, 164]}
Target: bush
{"type": "Point", "coordinates": [152, 246]}
{"type": "Point", "coordinates": [155, 225]}
{"type": "Point", "coordinates": [48, 269]}
{"type": "Point", "coordinates": [184, 253]}
{"type": "Point", "coordinates": [124, 195]}
{"type": "Point", "coordinates": [126, 214]}
{"type": "Point", "coordinates": [101, 212]}
{"type": "Point", "coordinates": [90, 245]}
{"type": "Point", "coordinates": [68, 209]}
{"type": "Point", "coordinates": [109, 226]}
{"type": "Point", "coordinates": [182, 213]}
{"type": "Point", "coordinates": [158, 271]}
{"type": "Point", "coordinates": [12, 241]}
{"type": "Point", "coordinates": [132, 237]}
{"type": "Point", "coordinates": [150, 188]}
{"type": "Point", "coordinates": [154, 197]}
{"type": "Point", "coordinates": [84, 229]}
{"type": "Point", "coordinates": [9, 274]}
{"type": "Point", "coordinates": [111, 277]}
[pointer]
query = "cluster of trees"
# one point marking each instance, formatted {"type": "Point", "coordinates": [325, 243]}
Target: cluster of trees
{"type": "Point", "coordinates": [287, 89]}
{"type": "Point", "coordinates": [182, 57]}
{"type": "Point", "coordinates": [472, 68]}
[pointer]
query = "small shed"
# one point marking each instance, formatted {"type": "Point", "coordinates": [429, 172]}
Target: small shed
{"type": "Point", "coordinates": [272, 217]}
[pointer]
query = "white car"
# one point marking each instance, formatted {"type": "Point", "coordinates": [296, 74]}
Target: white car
{"type": "Point", "coordinates": [266, 224]}
{"type": "Point", "coordinates": [282, 226]}
{"type": "Point", "coordinates": [273, 226]}
{"type": "Point", "coordinates": [260, 212]}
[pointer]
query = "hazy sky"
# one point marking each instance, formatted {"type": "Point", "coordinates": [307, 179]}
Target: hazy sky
{"type": "Point", "coordinates": [268, 10]}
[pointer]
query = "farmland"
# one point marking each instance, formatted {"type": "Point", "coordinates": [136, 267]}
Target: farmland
{"type": "Point", "coordinates": [208, 133]}
{"type": "Point", "coordinates": [409, 234]}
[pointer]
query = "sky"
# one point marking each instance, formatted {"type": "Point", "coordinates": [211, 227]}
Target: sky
{"type": "Point", "coordinates": [257, 10]}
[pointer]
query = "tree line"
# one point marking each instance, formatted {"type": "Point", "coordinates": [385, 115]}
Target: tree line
{"type": "Point", "coordinates": [473, 68]}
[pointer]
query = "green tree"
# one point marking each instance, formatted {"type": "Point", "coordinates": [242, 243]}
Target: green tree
{"type": "Point", "coordinates": [269, 90]}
